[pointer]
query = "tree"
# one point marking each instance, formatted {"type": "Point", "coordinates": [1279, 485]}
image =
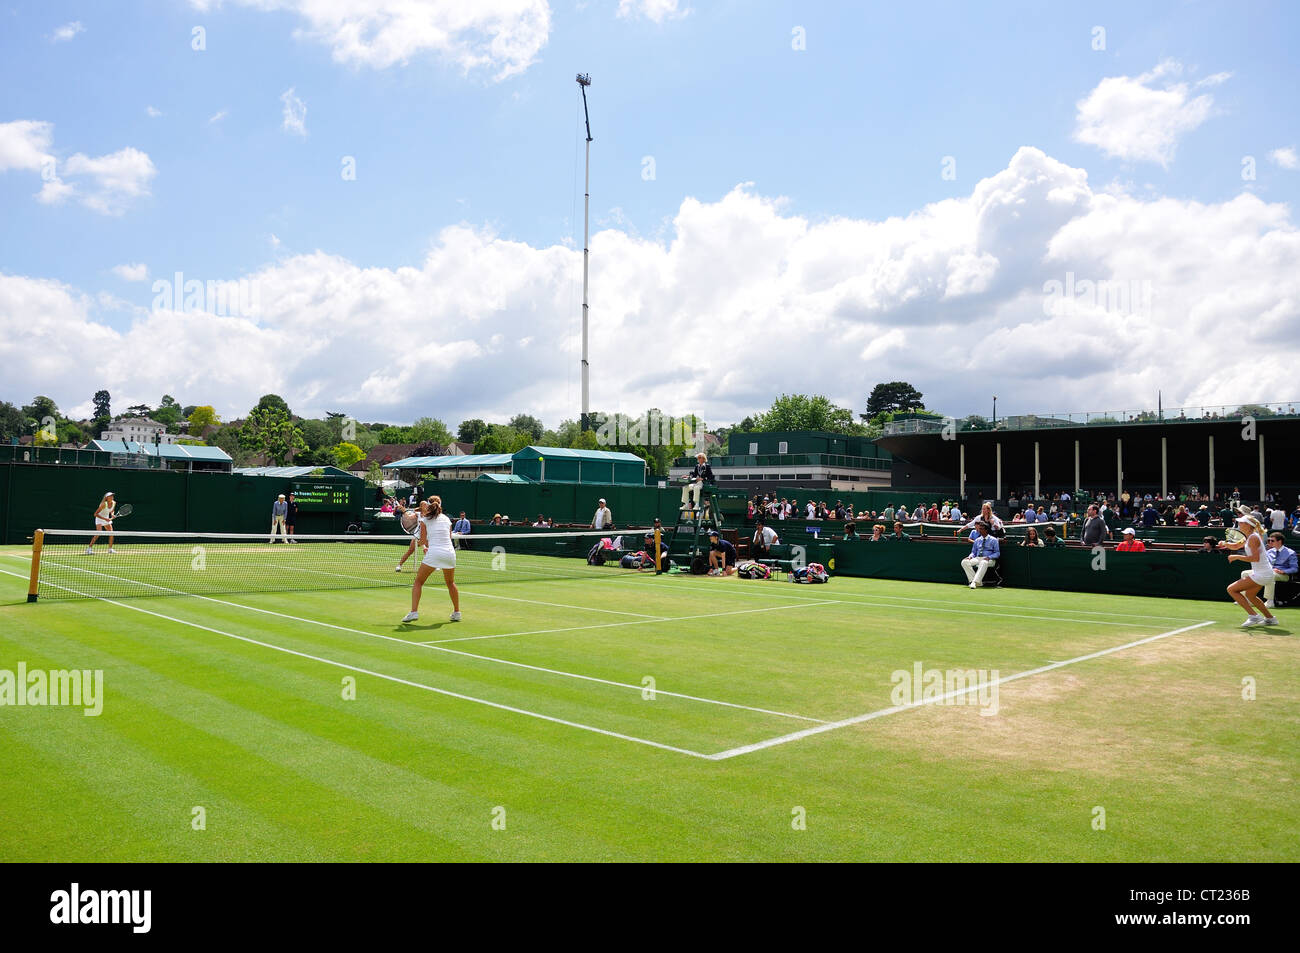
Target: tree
{"type": "Point", "coordinates": [426, 449]}
{"type": "Point", "coordinates": [39, 410]}
{"type": "Point", "coordinates": [139, 410]}
{"type": "Point", "coordinates": [103, 406]}
{"type": "Point", "coordinates": [269, 431]}
{"type": "Point", "coordinates": [502, 439]}
{"type": "Point", "coordinates": [318, 434]}
{"type": "Point", "coordinates": [201, 418]}
{"type": "Point", "coordinates": [896, 395]}
{"type": "Point", "coordinates": [429, 428]}
{"type": "Point", "coordinates": [803, 412]}
{"type": "Point", "coordinates": [169, 415]}
{"type": "Point", "coordinates": [471, 430]}
{"type": "Point", "coordinates": [393, 435]}
{"type": "Point", "coordinates": [275, 402]}
{"type": "Point", "coordinates": [13, 423]}
{"type": "Point", "coordinates": [529, 424]}
{"type": "Point", "coordinates": [375, 475]}
{"type": "Point", "coordinates": [227, 439]}
{"type": "Point", "coordinates": [187, 410]}
{"type": "Point", "coordinates": [347, 454]}
{"type": "Point", "coordinates": [1253, 410]}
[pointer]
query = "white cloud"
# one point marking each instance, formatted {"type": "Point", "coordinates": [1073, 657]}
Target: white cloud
{"type": "Point", "coordinates": [656, 11]}
{"type": "Point", "coordinates": [136, 272]}
{"type": "Point", "coordinates": [109, 183]}
{"type": "Point", "coordinates": [935, 297]}
{"type": "Point", "coordinates": [152, 113]}
{"type": "Point", "coordinates": [1286, 157]}
{"type": "Point", "coordinates": [115, 180]}
{"type": "Point", "coordinates": [219, 115]}
{"type": "Point", "coordinates": [503, 37]}
{"type": "Point", "coordinates": [295, 112]}
{"type": "Point", "coordinates": [1142, 118]}
{"type": "Point", "coordinates": [67, 32]}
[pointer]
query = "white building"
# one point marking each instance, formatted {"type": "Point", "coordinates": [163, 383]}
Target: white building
{"type": "Point", "coordinates": [138, 430]}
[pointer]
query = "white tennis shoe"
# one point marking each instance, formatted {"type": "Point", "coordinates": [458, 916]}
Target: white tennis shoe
{"type": "Point", "coordinates": [1252, 621]}
{"type": "Point", "coordinates": [1270, 620]}
{"type": "Point", "coordinates": [410, 617]}
{"type": "Point", "coordinates": [455, 617]}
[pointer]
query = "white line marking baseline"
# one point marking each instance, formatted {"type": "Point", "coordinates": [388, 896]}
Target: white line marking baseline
{"type": "Point", "coordinates": [859, 719]}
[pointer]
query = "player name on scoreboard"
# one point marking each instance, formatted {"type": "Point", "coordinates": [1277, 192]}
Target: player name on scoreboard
{"type": "Point", "coordinates": [322, 496]}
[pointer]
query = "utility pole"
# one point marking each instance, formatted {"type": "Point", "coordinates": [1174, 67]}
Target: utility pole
{"type": "Point", "coordinates": [584, 80]}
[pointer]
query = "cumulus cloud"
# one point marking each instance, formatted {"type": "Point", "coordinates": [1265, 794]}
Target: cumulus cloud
{"type": "Point", "coordinates": [1142, 117]}
{"type": "Point", "coordinates": [949, 297]}
{"type": "Point", "coordinates": [503, 37]}
{"type": "Point", "coordinates": [1286, 157]}
{"type": "Point", "coordinates": [107, 184]}
{"type": "Point", "coordinates": [136, 272]}
{"type": "Point", "coordinates": [67, 32]}
{"type": "Point", "coordinates": [295, 113]}
{"type": "Point", "coordinates": [656, 11]}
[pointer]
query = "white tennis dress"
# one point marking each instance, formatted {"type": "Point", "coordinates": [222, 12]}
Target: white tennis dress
{"type": "Point", "coordinates": [103, 515]}
{"type": "Point", "coordinates": [1261, 571]}
{"type": "Point", "coordinates": [440, 554]}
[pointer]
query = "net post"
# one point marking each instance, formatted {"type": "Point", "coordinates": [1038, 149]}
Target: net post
{"type": "Point", "coordinates": [658, 554]}
{"type": "Point", "coordinates": [34, 581]}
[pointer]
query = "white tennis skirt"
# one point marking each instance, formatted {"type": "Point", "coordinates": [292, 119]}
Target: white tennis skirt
{"type": "Point", "coordinates": [1262, 576]}
{"type": "Point", "coordinates": [440, 559]}
{"type": "Point", "coordinates": [101, 523]}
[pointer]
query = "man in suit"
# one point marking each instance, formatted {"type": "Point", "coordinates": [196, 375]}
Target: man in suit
{"type": "Point", "coordinates": [984, 553]}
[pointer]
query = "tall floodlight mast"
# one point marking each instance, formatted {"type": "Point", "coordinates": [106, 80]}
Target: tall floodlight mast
{"type": "Point", "coordinates": [584, 80]}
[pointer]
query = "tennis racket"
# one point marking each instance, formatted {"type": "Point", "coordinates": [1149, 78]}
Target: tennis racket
{"type": "Point", "coordinates": [410, 522]}
{"type": "Point", "coordinates": [1234, 535]}
{"type": "Point", "coordinates": [126, 509]}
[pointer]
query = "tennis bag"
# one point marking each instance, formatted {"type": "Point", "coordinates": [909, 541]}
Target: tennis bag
{"type": "Point", "coordinates": [812, 573]}
{"type": "Point", "coordinates": [595, 556]}
{"type": "Point", "coordinates": [753, 570]}
{"type": "Point", "coordinates": [638, 560]}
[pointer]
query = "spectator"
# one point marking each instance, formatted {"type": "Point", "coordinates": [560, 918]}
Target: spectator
{"type": "Point", "coordinates": [984, 553]}
{"type": "Point", "coordinates": [946, 511]}
{"type": "Point", "coordinates": [887, 514]}
{"type": "Point", "coordinates": [496, 519]}
{"type": "Point", "coordinates": [918, 514]}
{"type": "Point", "coordinates": [988, 516]}
{"type": "Point", "coordinates": [812, 510]}
{"type": "Point", "coordinates": [898, 536]}
{"type": "Point", "coordinates": [1277, 518]}
{"type": "Point", "coordinates": [878, 533]}
{"type": "Point", "coordinates": [722, 555]}
{"type": "Point", "coordinates": [1283, 560]}
{"type": "Point", "coordinates": [1149, 516]}
{"type": "Point", "coordinates": [956, 514]}
{"type": "Point", "coordinates": [1181, 516]}
{"type": "Point", "coordinates": [932, 514]}
{"type": "Point", "coordinates": [603, 518]}
{"type": "Point", "coordinates": [764, 539]}
{"type": "Point", "coordinates": [1051, 540]}
{"type": "Point", "coordinates": [1208, 544]}
{"type": "Point", "coordinates": [1130, 543]}
{"type": "Point", "coordinates": [850, 532]}
{"type": "Point", "coordinates": [1031, 538]}
{"type": "Point", "coordinates": [413, 500]}
{"type": "Point", "coordinates": [1094, 528]}
{"type": "Point", "coordinates": [1018, 518]}
{"type": "Point", "coordinates": [541, 521]}
{"type": "Point", "coordinates": [387, 507]}
{"type": "Point", "coordinates": [1031, 514]}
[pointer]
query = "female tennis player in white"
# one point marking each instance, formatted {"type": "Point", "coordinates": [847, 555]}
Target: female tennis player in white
{"type": "Point", "coordinates": [1245, 591]}
{"type": "Point", "coordinates": [103, 521]}
{"type": "Point", "coordinates": [435, 538]}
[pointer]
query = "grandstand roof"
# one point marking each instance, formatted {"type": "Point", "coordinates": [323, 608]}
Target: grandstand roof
{"type": "Point", "coordinates": [168, 451]}
{"type": "Point", "coordinates": [292, 472]}
{"type": "Point", "coordinates": [569, 453]}
{"type": "Point", "coordinates": [462, 461]}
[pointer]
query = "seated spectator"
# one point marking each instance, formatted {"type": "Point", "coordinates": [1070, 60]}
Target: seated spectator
{"type": "Point", "coordinates": [1209, 546]}
{"type": "Point", "coordinates": [722, 555]}
{"type": "Point", "coordinates": [988, 516]}
{"type": "Point", "coordinates": [1018, 518]}
{"type": "Point", "coordinates": [387, 507]}
{"type": "Point", "coordinates": [984, 553]}
{"type": "Point", "coordinates": [496, 519]}
{"type": "Point", "coordinates": [1031, 538]}
{"type": "Point", "coordinates": [850, 532]}
{"type": "Point", "coordinates": [541, 521]}
{"type": "Point", "coordinates": [1282, 559]}
{"type": "Point", "coordinates": [1130, 543]}
{"type": "Point", "coordinates": [898, 535]}
{"type": "Point", "coordinates": [878, 533]}
{"type": "Point", "coordinates": [946, 511]}
{"type": "Point", "coordinates": [764, 539]}
{"type": "Point", "coordinates": [1051, 540]}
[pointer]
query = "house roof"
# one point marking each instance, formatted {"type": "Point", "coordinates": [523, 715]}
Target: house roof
{"type": "Point", "coordinates": [383, 454]}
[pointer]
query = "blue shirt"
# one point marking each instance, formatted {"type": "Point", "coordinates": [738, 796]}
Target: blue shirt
{"type": "Point", "coordinates": [1284, 560]}
{"type": "Point", "coordinates": [462, 526]}
{"type": "Point", "coordinates": [1030, 515]}
{"type": "Point", "coordinates": [984, 547]}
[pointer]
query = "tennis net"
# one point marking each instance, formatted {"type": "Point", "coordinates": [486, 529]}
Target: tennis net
{"type": "Point", "coordinates": [64, 566]}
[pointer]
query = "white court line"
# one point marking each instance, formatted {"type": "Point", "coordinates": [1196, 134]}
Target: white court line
{"type": "Point", "coordinates": [390, 678]}
{"type": "Point", "coordinates": [893, 605]}
{"type": "Point", "coordinates": [859, 719]}
{"type": "Point", "coordinates": [485, 658]}
{"type": "Point", "coordinates": [607, 625]}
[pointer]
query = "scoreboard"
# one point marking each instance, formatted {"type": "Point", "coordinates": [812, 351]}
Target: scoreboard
{"type": "Point", "coordinates": [322, 497]}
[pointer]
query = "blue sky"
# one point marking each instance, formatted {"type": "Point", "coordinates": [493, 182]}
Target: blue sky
{"type": "Point", "coordinates": [853, 127]}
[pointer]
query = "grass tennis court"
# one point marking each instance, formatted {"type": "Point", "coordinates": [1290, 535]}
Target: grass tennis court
{"type": "Point", "coordinates": [536, 711]}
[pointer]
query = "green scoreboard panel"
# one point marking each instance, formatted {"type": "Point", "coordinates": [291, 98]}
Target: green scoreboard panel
{"type": "Point", "coordinates": [322, 497]}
